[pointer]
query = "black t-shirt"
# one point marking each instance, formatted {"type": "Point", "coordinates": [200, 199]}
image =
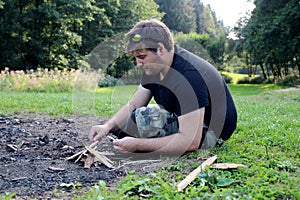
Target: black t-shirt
{"type": "Point", "coordinates": [193, 83]}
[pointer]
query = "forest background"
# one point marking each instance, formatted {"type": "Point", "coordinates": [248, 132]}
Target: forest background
{"type": "Point", "coordinates": [60, 34]}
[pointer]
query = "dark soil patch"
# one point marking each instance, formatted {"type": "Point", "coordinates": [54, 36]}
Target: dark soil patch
{"type": "Point", "coordinates": [44, 143]}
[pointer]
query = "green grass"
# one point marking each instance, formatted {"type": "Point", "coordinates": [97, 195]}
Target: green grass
{"type": "Point", "coordinates": [103, 102]}
{"type": "Point", "coordinates": [45, 103]}
{"type": "Point", "coordinates": [266, 141]}
{"type": "Point", "coordinates": [251, 89]}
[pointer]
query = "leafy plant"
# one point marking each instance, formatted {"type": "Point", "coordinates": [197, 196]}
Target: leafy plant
{"type": "Point", "coordinates": [108, 81]}
{"type": "Point", "coordinates": [7, 196]}
{"type": "Point", "coordinates": [71, 185]}
{"type": "Point", "coordinates": [290, 81]}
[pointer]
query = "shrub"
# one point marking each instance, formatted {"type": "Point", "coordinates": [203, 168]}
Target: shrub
{"type": "Point", "coordinates": [257, 80]}
{"type": "Point", "coordinates": [290, 81]}
{"type": "Point", "coordinates": [108, 81]}
{"type": "Point", "coordinates": [227, 78]}
{"type": "Point", "coordinates": [245, 80]}
{"type": "Point", "coordinates": [268, 81]}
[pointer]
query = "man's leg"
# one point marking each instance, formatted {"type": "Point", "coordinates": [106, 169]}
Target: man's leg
{"type": "Point", "coordinates": [149, 122]}
{"type": "Point", "coordinates": [209, 139]}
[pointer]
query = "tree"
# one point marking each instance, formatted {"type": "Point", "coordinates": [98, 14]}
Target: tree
{"type": "Point", "coordinates": [42, 33]}
{"type": "Point", "coordinates": [58, 33]}
{"type": "Point", "coordinates": [206, 20]}
{"type": "Point", "coordinates": [179, 14]}
{"type": "Point", "coordinates": [121, 17]}
{"type": "Point", "coordinates": [272, 38]}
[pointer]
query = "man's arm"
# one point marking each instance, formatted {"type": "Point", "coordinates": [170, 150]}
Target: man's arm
{"type": "Point", "coordinates": [141, 98]}
{"type": "Point", "coordinates": [188, 138]}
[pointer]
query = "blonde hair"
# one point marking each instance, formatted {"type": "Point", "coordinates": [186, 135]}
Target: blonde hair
{"type": "Point", "coordinates": [147, 34]}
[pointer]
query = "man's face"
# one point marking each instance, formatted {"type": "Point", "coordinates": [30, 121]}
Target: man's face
{"type": "Point", "coordinates": [148, 60]}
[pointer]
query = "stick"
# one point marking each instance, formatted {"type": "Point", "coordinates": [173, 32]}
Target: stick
{"type": "Point", "coordinates": [83, 151]}
{"type": "Point", "coordinates": [89, 161]}
{"type": "Point", "coordinates": [102, 158]}
{"type": "Point", "coordinates": [193, 175]}
{"type": "Point", "coordinates": [12, 146]}
{"type": "Point", "coordinates": [111, 138]}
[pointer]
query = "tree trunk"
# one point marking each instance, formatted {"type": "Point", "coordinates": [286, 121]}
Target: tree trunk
{"type": "Point", "coordinates": [263, 70]}
{"type": "Point", "coordinates": [298, 65]}
{"type": "Point", "coordinates": [279, 71]}
{"type": "Point", "coordinates": [249, 66]}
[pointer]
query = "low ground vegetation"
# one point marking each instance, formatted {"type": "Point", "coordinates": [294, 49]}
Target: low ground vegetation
{"type": "Point", "coordinates": [44, 80]}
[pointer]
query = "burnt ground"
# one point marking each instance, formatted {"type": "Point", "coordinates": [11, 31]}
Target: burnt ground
{"type": "Point", "coordinates": [37, 165]}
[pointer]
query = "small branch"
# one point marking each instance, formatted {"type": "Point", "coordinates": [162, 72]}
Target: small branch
{"type": "Point", "coordinates": [90, 155]}
{"type": "Point", "coordinates": [89, 161]}
{"type": "Point", "coordinates": [94, 144]}
{"type": "Point", "coordinates": [13, 147]}
{"type": "Point", "coordinates": [100, 157]}
{"type": "Point", "coordinates": [193, 175]}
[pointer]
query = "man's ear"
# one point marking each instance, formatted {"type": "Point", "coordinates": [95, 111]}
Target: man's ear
{"type": "Point", "coordinates": [160, 49]}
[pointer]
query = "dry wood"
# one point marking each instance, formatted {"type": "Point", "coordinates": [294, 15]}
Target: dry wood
{"type": "Point", "coordinates": [19, 178]}
{"type": "Point", "coordinates": [21, 144]}
{"type": "Point", "coordinates": [100, 157]}
{"type": "Point", "coordinates": [56, 168]}
{"type": "Point", "coordinates": [80, 156]}
{"type": "Point", "coordinates": [111, 138]}
{"type": "Point", "coordinates": [90, 155]}
{"type": "Point", "coordinates": [94, 144]}
{"type": "Point", "coordinates": [227, 165]}
{"type": "Point", "coordinates": [12, 146]}
{"type": "Point", "coordinates": [89, 161]}
{"type": "Point", "coordinates": [137, 162]}
{"type": "Point", "coordinates": [106, 153]}
{"type": "Point", "coordinates": [66, 147]}
{"type": "Point", "coordinates": [195, 173]}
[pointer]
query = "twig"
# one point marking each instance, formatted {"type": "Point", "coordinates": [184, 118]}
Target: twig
{"type": "Point", "coordinates": [99, 156]}
{"type": "Point", "coordinates": [193, 175]}
{"type": "Point", "coordinates": [141, 162]}
{"type": "Point", "coordinates": [111, 138]}
{"type": "Point", "coordinates": [12, 146]}
{"type": "Point", "coordinates": [89, 161]}
{"type": "Point", "coordinates": [19, 178]}
{"type": "Point", "coordinates": [94, 144]}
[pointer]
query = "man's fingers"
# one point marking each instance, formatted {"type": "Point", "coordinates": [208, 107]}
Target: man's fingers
{"type": "Point", "coordinates": [92, 135]}
{"type": "Point", "coordinates": [97, 137]}
{"type": "Point", "coordinates": [118, 147]}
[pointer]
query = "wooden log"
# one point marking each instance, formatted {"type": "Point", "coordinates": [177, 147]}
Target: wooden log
{"type": "Point", "coordinates": [193, 175]}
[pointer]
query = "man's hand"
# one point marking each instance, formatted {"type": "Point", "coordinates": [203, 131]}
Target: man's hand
{"type": "Point", "coordinates": [98, 132]}
{"type": "Point", "coordinates": [126, 144]}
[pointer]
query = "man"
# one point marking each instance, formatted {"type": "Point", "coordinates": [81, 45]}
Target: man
{"type": "Point", "coordinates": [195, 108]}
